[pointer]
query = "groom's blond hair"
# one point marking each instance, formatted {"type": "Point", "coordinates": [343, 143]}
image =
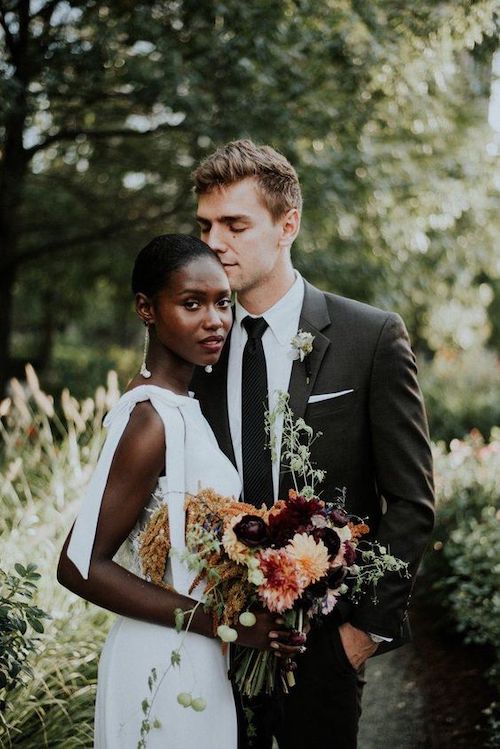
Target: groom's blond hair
{"type": "Point", "coordinates": [277, 179]}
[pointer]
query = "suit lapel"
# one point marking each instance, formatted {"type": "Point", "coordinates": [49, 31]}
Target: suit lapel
{"type": "Point", "coordinates": [314, 318]}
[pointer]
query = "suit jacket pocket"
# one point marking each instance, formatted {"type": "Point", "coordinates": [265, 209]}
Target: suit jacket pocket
{"type": "Point", "coordinates": [331, 406]}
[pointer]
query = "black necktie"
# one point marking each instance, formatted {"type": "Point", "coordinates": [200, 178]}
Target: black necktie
{"type": "Point", "coordinates": [257, 464]}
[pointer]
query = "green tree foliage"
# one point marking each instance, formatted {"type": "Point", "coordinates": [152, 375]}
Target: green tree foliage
{"type": "Point", "coordinates": [107, 106]}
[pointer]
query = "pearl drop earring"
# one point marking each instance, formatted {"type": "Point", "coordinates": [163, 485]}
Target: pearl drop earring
{"type": "Point", "coordinates": [144, 371]}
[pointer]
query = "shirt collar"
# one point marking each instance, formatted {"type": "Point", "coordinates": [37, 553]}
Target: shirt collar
{"type": "Point", "coordinates": [282, 317]}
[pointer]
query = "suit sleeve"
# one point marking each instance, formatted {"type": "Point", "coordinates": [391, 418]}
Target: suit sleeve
{"type": "Point", "coordinates": [403, 471]}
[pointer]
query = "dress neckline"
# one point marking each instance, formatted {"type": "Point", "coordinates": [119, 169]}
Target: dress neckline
{"type": "Point", "coordinates": [154, 393]}
{"type": "Point", "coordinates": [190, 397]}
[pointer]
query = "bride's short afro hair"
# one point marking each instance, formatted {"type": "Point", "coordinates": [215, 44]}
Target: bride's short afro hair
{"type": "Point", "coordinates": [161, 257]}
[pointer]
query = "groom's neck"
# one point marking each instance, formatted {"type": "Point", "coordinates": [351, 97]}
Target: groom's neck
{"type": "Point", "coordinates": [266, 292]}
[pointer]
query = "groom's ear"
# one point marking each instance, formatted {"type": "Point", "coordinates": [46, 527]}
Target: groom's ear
{"type": "Point", "coordinates": [290, 225]}
{"type": "Point", "coordinates": [144, 308]}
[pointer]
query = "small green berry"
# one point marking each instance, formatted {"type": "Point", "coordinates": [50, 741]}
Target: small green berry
{"type": "Point", "coordinates": [227, 634]}
{"type": "Point", "coordinates": [184, 699]}
{"type": "Point", "coordinates": [247, 619]}
{"type": "Point", "coordinates": [198, 704]}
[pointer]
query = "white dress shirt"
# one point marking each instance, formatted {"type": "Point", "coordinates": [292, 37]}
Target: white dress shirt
{"type": "Point", "coordinates": [283, 321]}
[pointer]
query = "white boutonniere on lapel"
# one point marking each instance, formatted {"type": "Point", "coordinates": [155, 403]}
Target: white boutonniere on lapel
{"type": "Point", "coordinates": [302, 344]}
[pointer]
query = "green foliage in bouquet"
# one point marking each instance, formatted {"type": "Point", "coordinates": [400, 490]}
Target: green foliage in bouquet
{"type": "Point", "coordinates": [296, 441]}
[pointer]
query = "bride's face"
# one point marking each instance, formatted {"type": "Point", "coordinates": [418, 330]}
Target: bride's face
{"type": "Point", "coordinates": [192, 314]}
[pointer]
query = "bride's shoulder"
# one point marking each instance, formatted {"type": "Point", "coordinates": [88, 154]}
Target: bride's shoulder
{"type": "Point", "coordinates": [136, 405]}
{"type": "Point", "coordinates": [147, 404]}
{"type": "Point", "coordinates": [143, 436]}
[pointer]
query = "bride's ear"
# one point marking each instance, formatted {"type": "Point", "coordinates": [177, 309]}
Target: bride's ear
{"type": "Point", "coordinates": [144, 308]}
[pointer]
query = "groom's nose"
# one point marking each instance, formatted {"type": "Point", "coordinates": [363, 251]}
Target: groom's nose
{"type": "Point", "coordinates": [215, 239]}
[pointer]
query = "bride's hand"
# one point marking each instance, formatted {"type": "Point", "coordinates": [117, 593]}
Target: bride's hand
{"type": "Point", "coordinates": [287, 643]}
{"type": "Point", "coordinates": [257, 636]}
{"type": "Point", "coordinates": [268, 633]}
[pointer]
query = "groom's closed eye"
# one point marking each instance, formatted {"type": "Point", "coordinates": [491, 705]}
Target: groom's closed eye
{"type": "Point", "coordinates": [204, 226]}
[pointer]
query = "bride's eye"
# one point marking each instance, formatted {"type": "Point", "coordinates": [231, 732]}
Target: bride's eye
{"type": "Point", "coordinates": [224, 303]}
{"type": "Point", "coordinates": [191, 304]}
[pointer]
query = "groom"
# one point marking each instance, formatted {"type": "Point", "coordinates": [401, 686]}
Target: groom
{"type": "Point", "coordinates": [357, 386]}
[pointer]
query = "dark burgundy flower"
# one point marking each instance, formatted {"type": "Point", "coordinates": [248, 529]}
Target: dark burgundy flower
{"type": "Point", "coordinates": [329, 538]}
{"type": "Point", "coordinates": [251, 530]}
{"type": "Point", "coordinates": [339, 518]}
{"type": "Point", "coordinates": [336, 577]}
{"type": "Point", "coordinates": [295, 517]}
{"type": "Point", "coordinates": [314, 591]}
{"type": "Point", "coordinates": [349, 553]}
{"type": "Point", "coordinates": [317, 589]}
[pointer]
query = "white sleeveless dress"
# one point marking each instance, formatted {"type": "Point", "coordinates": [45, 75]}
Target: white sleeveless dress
{"type": "Point", "coordinates": [133, 647]}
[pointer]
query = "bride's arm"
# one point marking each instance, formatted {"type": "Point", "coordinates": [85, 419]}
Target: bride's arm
{"type": "Point", "coordinates": [138, 461]}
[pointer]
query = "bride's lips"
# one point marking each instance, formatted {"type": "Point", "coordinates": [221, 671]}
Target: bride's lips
{"type": "Point", "coordinates": [212, 344]}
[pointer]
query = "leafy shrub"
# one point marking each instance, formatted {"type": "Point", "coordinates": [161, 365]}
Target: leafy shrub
{"type": "Point", "coordinates": [464, 561]}
{"type": "Point", "coordinates": [473, 553]}
{"type": "Point", "coordinates": [18, 615]}
{"type": "Point", "coordinates": [462, 392]}
{"type": "Point", "coordinates": [56, 708]}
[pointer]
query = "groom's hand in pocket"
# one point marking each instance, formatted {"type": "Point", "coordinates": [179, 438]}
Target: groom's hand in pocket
{"type": "Point", "coordinates": [358, 646]}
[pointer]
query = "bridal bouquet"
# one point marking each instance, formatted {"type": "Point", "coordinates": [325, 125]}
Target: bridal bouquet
{"type": "Point", "coordinates": [294, 559]}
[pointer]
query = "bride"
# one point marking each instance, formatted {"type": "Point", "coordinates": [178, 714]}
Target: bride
{"type": "Point", "coordinates": [159, 447]}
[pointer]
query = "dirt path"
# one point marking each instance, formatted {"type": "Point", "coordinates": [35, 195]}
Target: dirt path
{"type": "Point", "coordinates": [393, 704]}
{"type": "Point", "coordinates": [427, 695]}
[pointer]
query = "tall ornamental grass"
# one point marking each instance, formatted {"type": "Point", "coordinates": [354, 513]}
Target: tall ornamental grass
{"type": "Point", "coordinates": [47, 453]}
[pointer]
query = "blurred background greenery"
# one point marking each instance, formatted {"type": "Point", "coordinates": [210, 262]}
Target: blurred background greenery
{"type": "Point", "coordinates": [382, 106]}
{"type": "Point", "coordinates": [390, 111]}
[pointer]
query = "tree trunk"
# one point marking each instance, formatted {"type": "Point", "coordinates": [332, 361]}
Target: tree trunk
{"type": "Point", "coordinates": [13, 170]}
{"type": "Point", "coordinates": [7, 279]}
{"type": "Point", "coordinates": [12, 178]}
